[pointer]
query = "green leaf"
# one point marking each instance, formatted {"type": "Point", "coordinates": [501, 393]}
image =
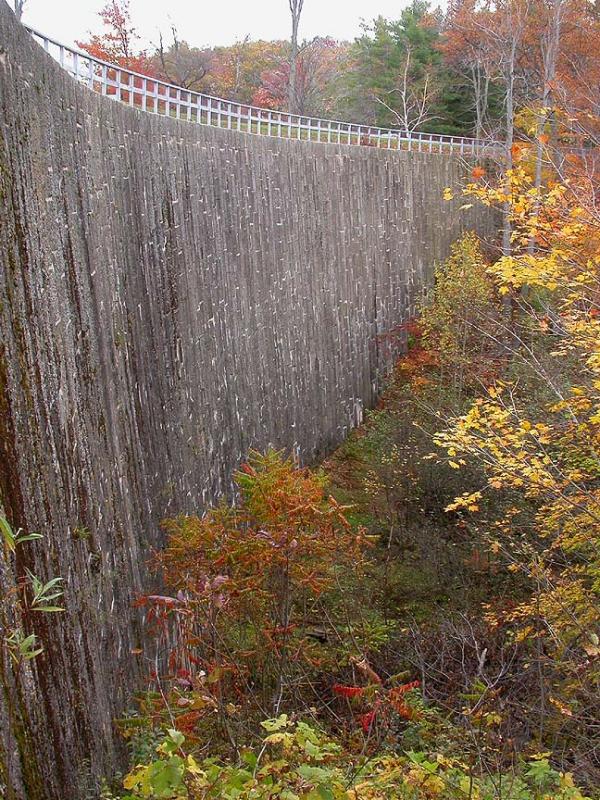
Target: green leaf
{"type": "Point", "coordinates": [325, 793]}
{"type": "Point", "coordinates": [415, 757]}
{"type": "Point", "coordinates": [43, 593]}
{"type": "Point", "coordinates": [167, 776]}
{"type": "Point", "coordinates": [173, 742]}
{"type": "Point", "coordinates": [21, 646]}
{"type": "Point", "coordinates": [28, 537]}
{"type": "Point", "coordinates": [314, 774]}
{"type": "Point", "coordinates": [176, 736]}
{"type": "Point", "coordinates": [28, 647]}
{"type": "Point", "coordinates": [250, 758]}
{"type": "Point", "coordinates": [275, 724]}
{"type": "Point", "coordinates": [240, 778]}
{"type": "Point", "coordinates": [7, 534]}
{"type": "Point", "coordinates": [313, 750]}
{"type": "Point", "coordinates": [42, 589]}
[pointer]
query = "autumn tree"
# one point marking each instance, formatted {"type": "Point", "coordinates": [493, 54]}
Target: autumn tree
{"type": "Point", "coordinates": [460, 318]}
{"type": "Point", "coordinates": [233, 67]}
{"type": "Point", "coordinates": [118, 43]}
{"type": "Point", "coordinates": [239, 69]}
{"type": "Point", "coordinates": [575, 91]}
{"type": "Point", "coordinates": [235, 72]}
{"type": "Point", "coordinates": [514, 54]}
{"type": "Point", "coordinates": [504, 31]}
{"type": "Point", "coordinates": [536, 433]}
{"type": "Point", "coordinates": [466, 52]}
{"type": "Point", "coordinates": [182, 65]}
{"type": "Point", "coordinates": [316, 69]}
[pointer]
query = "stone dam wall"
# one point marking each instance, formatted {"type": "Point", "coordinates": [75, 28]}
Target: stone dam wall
{"type": "Point", "coordinates": [170, 296]}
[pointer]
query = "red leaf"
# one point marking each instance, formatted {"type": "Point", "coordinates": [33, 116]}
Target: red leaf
{"type": "Point", "coordinates": [347, 691]}
{"type": "Point", "coordinates": [366, 720]}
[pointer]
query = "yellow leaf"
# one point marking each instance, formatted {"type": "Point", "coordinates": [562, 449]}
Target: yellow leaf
{"type": "Point", "coordinates": [561, 707]}
{"type": "Point", "coordinates": [131, 780]}
{"type": "Point", "coordinates": [192, 766]}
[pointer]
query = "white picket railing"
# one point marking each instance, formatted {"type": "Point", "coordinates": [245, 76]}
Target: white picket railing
{"type": "Point", "coordinates": [153, 95]}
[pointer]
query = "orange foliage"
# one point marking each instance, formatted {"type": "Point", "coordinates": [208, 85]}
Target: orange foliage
{"type": "Point", "coordinates": [247, 580]}
{"type": "Point", "coordinates": [116, 44]}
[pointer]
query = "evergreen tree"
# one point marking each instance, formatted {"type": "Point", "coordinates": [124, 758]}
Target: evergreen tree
{"type": "Point", "coordinates": [398, 78]}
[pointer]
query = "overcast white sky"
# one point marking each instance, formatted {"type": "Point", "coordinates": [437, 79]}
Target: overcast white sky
{"type": "Point", "coordinates": [210, 22]}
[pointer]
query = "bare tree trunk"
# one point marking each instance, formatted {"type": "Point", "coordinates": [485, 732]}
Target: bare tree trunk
{"type": "Point", "coordinates": [19, 5]}
{"type": "Point", "coordinates": [514, 25]}
{"type": "Point", "coordinates": [238, 51]}
{"type": "Point", "coordinates": [509, 139]}
{"type": "Point", "coordinates": [415, 100]}
{"type": "Point", "coordinates": [295, 11]}
{"type": "Point", "coordinates": [550, 45]}
{"type": "Point", "coordinates": [480, 81]}
{"type": "Point", "coordinates": [476, 80]}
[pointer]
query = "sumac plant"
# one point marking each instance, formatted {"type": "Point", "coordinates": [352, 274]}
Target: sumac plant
{"type": "Point", "coordinates": [258, 594]}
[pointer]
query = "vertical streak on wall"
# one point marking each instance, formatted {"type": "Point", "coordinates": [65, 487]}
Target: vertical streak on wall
{"type": "Point", "coordinates": [170, 296]}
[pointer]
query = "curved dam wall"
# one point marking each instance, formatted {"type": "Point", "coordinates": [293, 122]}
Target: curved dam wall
{"type": "Point", "coordinates": [170, 296]}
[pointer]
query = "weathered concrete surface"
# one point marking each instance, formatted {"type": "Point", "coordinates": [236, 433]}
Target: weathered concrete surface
{"type": "Point", "coordinates": [170, 296]}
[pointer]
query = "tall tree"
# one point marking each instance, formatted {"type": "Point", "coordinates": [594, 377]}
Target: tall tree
{"type": "Point", "coordinates": [502, 30]}
{"type": "Point", "coordinates": [576, 88]}
{"type": "Point", "coordinates": [239, 69]}
{"type": "Point", "coordinates": [466, 52]}
{"type": "Point", "coordinates": [505, 32]}
{"type": "Point", "coordinates": [236, 63]}
{"type": "Point", "coordinates": [181, 64]}
{"type": "Point", "coordinates": [19, 5]}
{"type": "Point", "coordinates": [295, 11]}
{"type": "Point", "coordinates": [397, 75]}
{"type": "Point", "coordinates": [413, 98]}
{"type": "Point", "coordinates": [549, 16]}
{"type": "Point", "coordinates": [317, 66]}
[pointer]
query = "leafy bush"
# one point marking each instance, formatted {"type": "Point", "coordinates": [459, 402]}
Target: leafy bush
{"type": "Point", "coordinates": [296, 761]}
{"type": "Point", "coordinates": [461, 323]}
{"type": "Point", "coordinates": [261, 594]}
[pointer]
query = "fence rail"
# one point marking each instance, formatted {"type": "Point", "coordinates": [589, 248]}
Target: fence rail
{"type": "Point", "coordinates": [155, 96]}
